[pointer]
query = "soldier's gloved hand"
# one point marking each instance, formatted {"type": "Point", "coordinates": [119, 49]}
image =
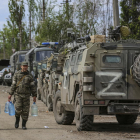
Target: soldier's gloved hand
{"type": "Point", "coordinates": [34, 99]}
{"type": "Point", "coordinates": [9, 97]}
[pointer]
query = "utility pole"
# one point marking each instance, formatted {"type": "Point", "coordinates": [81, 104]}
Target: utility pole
{"type": "Point", "coordinates": [116, 13]}
{"type": "Point", "coordinates": [20, 27]}
{"type": "Point", "coordinates": [44, 10]}
{"type": "Point", "coordinates": [67, 8]}
{"type": "Point", "coordinates": [4, 47]}
{"type": "Point", "coordinates": [30, 30]}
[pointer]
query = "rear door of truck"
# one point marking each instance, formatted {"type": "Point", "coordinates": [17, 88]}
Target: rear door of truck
{"type": "Point", "coordinates": [111, 74]}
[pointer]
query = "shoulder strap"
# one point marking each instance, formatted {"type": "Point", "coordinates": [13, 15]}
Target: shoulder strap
{"type": "Point", "coordinates": [20, 80]}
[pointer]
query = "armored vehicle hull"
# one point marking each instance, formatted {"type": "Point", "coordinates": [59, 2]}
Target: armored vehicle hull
{"type": "Point", "coordinates": [97, 80]}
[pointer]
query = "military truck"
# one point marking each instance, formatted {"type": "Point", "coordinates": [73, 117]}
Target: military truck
{"type": "Point", "coordinates": [41, 68]}
{"type": "Point", "coordinates": [16, 59]}
{"type": "Point", "coordinates": [54, 69]}
{"type": "Point", "coordinates": [34, 58]}
{"type": "Point", "coordinates": [36, 55]}
{"type": "Point", "coordinates": [98, 78]}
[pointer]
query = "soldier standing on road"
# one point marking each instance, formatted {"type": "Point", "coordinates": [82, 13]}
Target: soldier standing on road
{"type": "Point", "coordinates": [23, 86]}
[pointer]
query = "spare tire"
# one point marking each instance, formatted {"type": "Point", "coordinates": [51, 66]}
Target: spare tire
{"type": "Point", "coordinates": [136, 70]}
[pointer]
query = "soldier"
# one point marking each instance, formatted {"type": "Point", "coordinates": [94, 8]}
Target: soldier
{"type": "Point", "coordinates": [23, 86]}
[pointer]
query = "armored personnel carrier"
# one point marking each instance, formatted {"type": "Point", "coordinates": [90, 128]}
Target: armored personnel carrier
{"type": "Point", "coordinates": [97, 78]}
{"type": "Point", "coordinates": [52, 74]}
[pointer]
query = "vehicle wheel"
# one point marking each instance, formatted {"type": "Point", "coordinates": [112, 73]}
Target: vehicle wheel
{"type": "Point", "coordinates": [49, 103]}
{"type": "Point", "coordinates": [38, 95]}
{"type": "Point", "coordinates": [126, 119]}
{"type": "Point", "coordinates": [65, 118]}
{"type": "Point", "coordinates": [83, 122]}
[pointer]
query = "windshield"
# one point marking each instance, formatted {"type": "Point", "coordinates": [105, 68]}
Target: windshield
{"type": "Point", "coordinates": [44, 66]}
{"type": "Point", "coordinates": [21, 57]}
{"type": "Point", "coordinates": [41, 55]}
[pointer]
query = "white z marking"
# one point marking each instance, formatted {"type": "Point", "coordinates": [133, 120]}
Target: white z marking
{"type": "Point", "coordinates": [116, 76]}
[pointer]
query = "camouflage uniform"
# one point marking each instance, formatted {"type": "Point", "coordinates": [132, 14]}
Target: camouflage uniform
{"type": "Point", "coordinates": [23, 89]}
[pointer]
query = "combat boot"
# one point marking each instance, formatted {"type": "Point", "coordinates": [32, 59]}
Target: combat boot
{"type": "Point", "coordinates": [17, 122]}
{"type": "Point", "coordinates": [24, 124]}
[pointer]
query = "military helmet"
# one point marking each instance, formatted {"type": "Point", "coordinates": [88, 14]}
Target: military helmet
{"type": "Point", "coordinates": [24, 64]}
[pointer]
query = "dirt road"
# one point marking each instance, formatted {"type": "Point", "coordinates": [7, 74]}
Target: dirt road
{"type": "Point", "coordinates": [104, 128]}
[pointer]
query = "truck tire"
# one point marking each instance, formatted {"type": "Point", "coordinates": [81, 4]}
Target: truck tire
{"type": "Point", "coordinates": [49, 103]}
{"type": "Point", "coordinates": [83, 122]}
{"type": "Point", "coordinates": [126, 119]}
{"type": "Point", "coordinates": [65, 118]}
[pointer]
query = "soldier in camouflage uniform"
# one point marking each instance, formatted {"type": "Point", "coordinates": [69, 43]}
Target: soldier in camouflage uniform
{"type": "Point", "coordinates": [22, 86]}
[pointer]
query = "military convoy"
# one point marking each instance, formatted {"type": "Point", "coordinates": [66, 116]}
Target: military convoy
{"type": "Point", "coordinates": [88, 77]}
{"type": "Point", "coordinates": [93, 78]}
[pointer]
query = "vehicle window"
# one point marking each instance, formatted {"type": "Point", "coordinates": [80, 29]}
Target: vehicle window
{"type": "Point", "coordinates": [79, 57]}
{"type": "Point", "coordinates": [73, 60]}
{"type": "Point", "coordinates": [66, 64]}
{"type": "Point", "coordinates": [111, 59]}
{"type": "Point", "coordinates": [21, 57]}
{"type": "Point", "coordinates": [41, 55]}
{"type": "Point", "coordinates": [44, 66]}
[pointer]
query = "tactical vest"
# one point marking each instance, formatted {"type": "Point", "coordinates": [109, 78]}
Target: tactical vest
{"type": "Point", "coordinates": [24, 86]}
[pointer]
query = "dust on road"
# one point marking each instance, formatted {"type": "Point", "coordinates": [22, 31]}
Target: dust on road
{"type": "Point", "coordinates": [104, 128]}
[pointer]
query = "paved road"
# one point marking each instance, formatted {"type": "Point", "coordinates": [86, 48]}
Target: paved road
{"type": "Point", "coordinates": [104, 128]}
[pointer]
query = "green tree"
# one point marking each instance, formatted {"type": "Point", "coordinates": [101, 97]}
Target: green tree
{"type": "Point", "coordinates": [56, 23]}
{"type": "Point", "coordinates": [130, 16]}
{"type": "Point", "coordinates": [17, 14]}
{"type": "Point", "coordinates": [33, 9]}
{"type": "Point", "coordinates": [6, 41]}
{"type": "Point", "coordinates": [87, 13]}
